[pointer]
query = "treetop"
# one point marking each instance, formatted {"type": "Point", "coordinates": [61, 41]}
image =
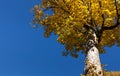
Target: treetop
{"type": "Point", "coordinates": [70, 17]}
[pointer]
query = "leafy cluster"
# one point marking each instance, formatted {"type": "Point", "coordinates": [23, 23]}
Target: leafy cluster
{"type": "Point", "coordinates": [69, 18]}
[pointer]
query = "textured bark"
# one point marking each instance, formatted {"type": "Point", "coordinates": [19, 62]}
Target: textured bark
{"type": "Point", "coordinates": [92, 62]}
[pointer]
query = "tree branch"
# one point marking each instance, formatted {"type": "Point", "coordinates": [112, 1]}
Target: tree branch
{"type": "Point", "coordinates": [117, 23]}
{"type": "Point", "coordinates": [102, 14]}
{"type": "Point", "coordinates": [101, 30]}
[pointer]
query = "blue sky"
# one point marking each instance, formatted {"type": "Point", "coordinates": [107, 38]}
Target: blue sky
{"type": "Point", "coordinates": [25, 52]}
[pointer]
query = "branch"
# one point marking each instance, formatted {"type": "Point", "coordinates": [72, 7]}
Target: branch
{"type": "Point", "coordinates": [117, 23]}
{"type": "Point", "coordinates": [111, 27]}
{"type": "Point", "coordinates": [102, 14]}
{"type": "Point", "coordinates": [101, 30]}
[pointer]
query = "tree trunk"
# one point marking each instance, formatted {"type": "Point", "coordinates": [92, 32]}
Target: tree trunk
{"type": "Point", "coordinates": [92, 62]}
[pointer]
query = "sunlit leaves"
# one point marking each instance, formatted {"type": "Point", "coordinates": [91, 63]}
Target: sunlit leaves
{"type": "Point", "coordinates": [69, 16]}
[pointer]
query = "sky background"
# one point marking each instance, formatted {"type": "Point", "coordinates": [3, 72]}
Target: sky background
{"type": "Point", "coordinates": [25, 52]}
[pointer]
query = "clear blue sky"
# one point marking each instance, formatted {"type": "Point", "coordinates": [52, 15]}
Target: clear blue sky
{"type": "Point", "coordinates": [25, 52]}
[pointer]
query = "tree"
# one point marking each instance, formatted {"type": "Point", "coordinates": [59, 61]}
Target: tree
{"type": "Point", "coordinates": [82, 25]}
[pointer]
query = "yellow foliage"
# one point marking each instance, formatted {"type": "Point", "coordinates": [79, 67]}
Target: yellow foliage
{"type": "Point", "coordinates": [70, 16]}
{"type": "Point", "coordinates": [106, 73]}
{"type": "Point", "coordinates": [112, 73]}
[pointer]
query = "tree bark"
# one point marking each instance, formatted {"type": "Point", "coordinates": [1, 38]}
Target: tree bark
{"type": "Point", "coordinates": [92, 62]}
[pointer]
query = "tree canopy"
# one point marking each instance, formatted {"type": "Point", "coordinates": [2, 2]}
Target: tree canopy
{"type": "Point", "coordinates": [70, 17]}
